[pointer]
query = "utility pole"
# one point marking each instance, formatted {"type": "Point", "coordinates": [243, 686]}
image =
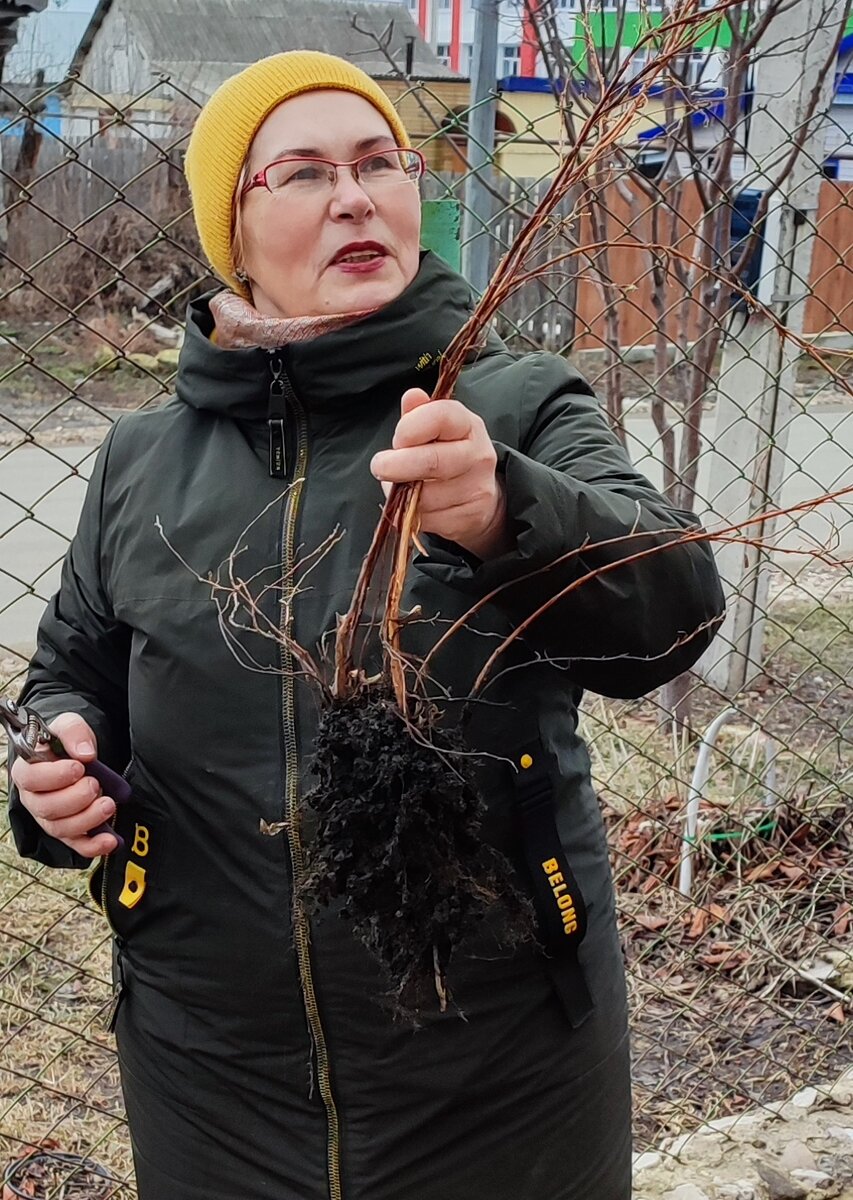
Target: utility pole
{"type": "Point", "coordinates": [755, 392]}
{"type": "Point", "coordinates": [476, 232]}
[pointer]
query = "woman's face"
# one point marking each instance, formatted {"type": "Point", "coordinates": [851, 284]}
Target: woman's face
{"type": "Point", "coordinates": [291, 240]}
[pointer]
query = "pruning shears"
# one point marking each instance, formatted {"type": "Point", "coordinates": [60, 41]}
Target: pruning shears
{"type": "Point", "coordinates": [34, 742]}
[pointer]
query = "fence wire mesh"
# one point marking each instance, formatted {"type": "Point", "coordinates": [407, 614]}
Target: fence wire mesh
{"type": "Point", "coordinates": [736, 928]}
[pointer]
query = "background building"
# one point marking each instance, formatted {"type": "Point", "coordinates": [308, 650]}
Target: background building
{"type": "Point", "coordinates": [448, 25]}
{"type": "Point", "coordinates": [118, 48]}
{"type": "Point", "coordinates": [115, 45]}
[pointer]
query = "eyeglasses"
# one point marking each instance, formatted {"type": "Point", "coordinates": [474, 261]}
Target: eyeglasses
{"type": "Point", "coordinates": [306, 177]}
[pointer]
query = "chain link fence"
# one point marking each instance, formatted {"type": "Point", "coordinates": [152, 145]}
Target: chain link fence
{"type": "Point", "coordinates": [727, 798]}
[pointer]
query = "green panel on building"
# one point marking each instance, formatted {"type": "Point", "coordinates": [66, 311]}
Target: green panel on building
{"type": "Point", "coordinates": [440, 227]}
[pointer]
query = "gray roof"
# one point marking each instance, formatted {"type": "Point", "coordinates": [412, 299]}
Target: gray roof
{"type": "Point", "coordinates": [202, 42]}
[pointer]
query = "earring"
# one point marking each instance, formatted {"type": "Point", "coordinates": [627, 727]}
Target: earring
{"type": "Point", "coordinates": [241, 276]}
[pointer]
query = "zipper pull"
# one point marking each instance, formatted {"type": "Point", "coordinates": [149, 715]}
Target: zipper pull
{"type": "Point", "coordinates": [278, 444]}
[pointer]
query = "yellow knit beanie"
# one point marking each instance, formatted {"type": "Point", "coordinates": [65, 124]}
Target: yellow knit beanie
{"type": "Point", "coordinates": [225, 127]}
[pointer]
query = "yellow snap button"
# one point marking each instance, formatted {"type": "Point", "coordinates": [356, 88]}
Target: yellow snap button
{"type": "Point", "coordinates": [526, 761]}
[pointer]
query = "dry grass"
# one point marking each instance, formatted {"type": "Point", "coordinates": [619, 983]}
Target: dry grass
{"type": "Point", "coordinates": [102, 228]}
{"type": "Point", "coordinates": [58, 1074]}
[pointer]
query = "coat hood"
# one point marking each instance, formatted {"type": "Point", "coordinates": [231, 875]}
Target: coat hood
{"type": "Point", "coordinates": [397, 347]}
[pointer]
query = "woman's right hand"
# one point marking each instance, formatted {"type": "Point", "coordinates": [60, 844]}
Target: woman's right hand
{"type": "Point", "coordinates": [65, 801]}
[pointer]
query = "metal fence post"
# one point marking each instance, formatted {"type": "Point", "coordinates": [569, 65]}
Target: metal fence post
{"type": "Point", "coordinates": [476, 235]}
{"type": "Point", "coordinates": [755, 390]}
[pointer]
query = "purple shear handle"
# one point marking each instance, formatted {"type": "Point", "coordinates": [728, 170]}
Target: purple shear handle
{"type": "Point", "coordinates": [113, 785]}
{"type": "Point", "coordinates": [34, 742]}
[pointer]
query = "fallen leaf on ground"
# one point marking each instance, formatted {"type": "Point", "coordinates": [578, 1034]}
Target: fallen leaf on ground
{"type": "Point", "coordinates": [701, 920]}
{"type": "Point", "coordinates": [649, 922]}
{"type": "Point", "coordinates": [762, 871]}
{"type": "Point", "coordinates": [840, 920]}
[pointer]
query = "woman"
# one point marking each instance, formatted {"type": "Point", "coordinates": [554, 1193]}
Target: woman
{"type": "Point", "coordinates": [258, 1057]}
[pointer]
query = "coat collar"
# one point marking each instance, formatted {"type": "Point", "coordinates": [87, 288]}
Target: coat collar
{"type": "Point", "coordinates": [392, 349]}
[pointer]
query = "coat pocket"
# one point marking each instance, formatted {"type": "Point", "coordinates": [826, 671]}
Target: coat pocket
{"type": "Point", "coordinates": [125, 884]}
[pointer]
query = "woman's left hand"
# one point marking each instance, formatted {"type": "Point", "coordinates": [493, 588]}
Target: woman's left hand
{"type": "Point", "coordinates": [448, 448]}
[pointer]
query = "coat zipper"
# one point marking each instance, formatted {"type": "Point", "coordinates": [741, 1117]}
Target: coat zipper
{"type": "Point", "coordinates": [279, 389]}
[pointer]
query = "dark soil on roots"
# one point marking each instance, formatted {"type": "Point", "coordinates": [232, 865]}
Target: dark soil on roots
{"type": "Point", "coordinates": [397, 843]}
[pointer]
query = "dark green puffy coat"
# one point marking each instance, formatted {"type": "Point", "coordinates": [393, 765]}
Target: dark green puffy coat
{"type": "Point", "coordinates": [257, 1055]}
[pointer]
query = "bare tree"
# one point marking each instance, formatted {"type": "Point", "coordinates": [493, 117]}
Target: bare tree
{"type": "Point", "coordinates": [688, 212]}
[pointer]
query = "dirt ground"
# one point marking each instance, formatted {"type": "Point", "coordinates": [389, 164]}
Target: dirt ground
{"type": "Point", "coordinates": [65, 385]}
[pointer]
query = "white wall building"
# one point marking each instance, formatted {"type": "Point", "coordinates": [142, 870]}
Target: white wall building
{"type": "Point", "coordinates": [47, 41]}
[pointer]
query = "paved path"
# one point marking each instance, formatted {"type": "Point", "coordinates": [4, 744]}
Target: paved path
{"type": "Point", "coordinates": [45, 482]}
